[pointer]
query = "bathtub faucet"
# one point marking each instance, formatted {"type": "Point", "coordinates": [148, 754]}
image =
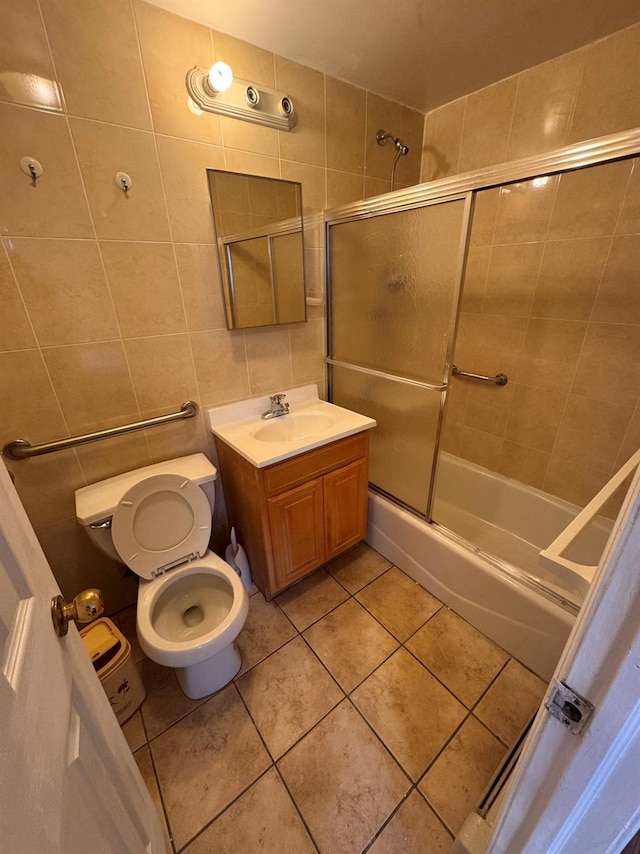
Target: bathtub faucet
{"type": "Point", "coordinates": [278, 408]}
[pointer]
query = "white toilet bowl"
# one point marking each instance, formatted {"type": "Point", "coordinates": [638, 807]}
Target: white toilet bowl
{"type": "Point", "coordinates": [191, 604]}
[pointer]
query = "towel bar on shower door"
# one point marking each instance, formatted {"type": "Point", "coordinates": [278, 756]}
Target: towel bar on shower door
{"type": "Point", "coordinates": [499, 379]}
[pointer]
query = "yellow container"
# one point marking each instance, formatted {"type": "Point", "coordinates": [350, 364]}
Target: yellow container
{"type": "Point", "coordinates": [110, 654]}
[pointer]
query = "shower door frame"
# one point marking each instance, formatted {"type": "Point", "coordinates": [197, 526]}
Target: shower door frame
{"type": "Point", "coordinates": [593, 152]}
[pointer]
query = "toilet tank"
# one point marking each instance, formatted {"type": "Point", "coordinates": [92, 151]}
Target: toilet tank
{"type": "Point", "coordinates": [96, 503]}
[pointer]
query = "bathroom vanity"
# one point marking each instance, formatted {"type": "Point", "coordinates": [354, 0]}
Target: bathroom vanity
{"type": "Point", "coordinates": [295, 486]}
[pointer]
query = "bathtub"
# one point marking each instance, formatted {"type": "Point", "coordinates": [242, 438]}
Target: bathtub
{"type": "Point", "coordinates": [480, 557]}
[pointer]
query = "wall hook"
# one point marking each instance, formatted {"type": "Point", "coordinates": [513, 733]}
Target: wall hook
{"type": "Point", "coordinates": [123, 182]}
{"type": "Point", "coordinates": [31, 167]}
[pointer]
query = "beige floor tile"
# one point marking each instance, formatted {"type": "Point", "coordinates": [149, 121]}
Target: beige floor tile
{"type": "Point", "coordinates": [263, 819]}
{"type": "Point", "coordinates": [510, 702]}
{"type": "Point", "coordinates": [311, 598]}
{"type": "Point", "coordinates": [350, 643]}
{"type": "Point", "coordinates": [133, 731]}
{"type": "Point", "coordinates": [358, 567]}
{"type": "Point", "coordinates": [145, 766]}
{"type": "Point", "coordinates": [205, 761]}
{"type": "Point", "coordinates": [401, 605]}
{"type": "Point", "coordinates": [459, 655]}
{"type": "Point", "coordinates": [414, 829]}
{"type": "Point", "coordinates": [456, 780]}
{"type": "Point", "coordinates": [165, 703]}
{"type": "Point", "coordinates": [287, 694]}
{"type": "Point", "coordinates": [410, 711]}
{"type": "Point", "coordinates": [266, 630]}
{"type": "Point", "coordinates": [343, 781]}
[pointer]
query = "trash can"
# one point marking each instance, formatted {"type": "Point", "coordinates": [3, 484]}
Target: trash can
{"type": "Point", "coordinates": [110, 654]}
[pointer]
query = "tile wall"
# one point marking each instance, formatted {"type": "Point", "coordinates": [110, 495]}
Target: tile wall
{"type": "Point", "coordinates": [552, 293]}
{"type": "Point", "coordinates": [112, 308]}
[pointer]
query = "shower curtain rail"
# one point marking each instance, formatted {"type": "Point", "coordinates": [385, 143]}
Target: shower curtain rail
{"type": "Point", "coordinates": [20, 449]}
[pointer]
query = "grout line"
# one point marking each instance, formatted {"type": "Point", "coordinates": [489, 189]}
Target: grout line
{"type": "Point", "coordinates": [297, 808]}
{"type": "Point", "coordinates": [160, 795]}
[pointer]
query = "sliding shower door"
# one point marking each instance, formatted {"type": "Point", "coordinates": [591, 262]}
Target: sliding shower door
{"type": "Point", "coordinates": [394, 282]}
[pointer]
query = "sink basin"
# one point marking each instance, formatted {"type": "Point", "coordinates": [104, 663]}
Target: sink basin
{"type": "Point", "coordinates": [290, 428]}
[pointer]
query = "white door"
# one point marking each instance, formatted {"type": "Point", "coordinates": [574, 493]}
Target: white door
{"type": "Point", "coordinates": [68, 781]}
{"type": "Point", "coordinates": [580, 794]}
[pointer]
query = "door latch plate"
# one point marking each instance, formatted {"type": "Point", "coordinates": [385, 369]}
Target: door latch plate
{"type": "Point", "coordinates": [572, 710]}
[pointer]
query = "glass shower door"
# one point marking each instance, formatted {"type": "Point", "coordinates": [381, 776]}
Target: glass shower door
{"type": "Point", "coordinates": [394, 288]}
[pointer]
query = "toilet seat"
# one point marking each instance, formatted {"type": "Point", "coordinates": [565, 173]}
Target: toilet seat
{"type": "Point", "coordinates": [161, 522]}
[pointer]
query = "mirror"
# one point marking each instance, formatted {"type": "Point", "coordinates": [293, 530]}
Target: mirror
{"type": "Point", "coordinates": [258, 225]}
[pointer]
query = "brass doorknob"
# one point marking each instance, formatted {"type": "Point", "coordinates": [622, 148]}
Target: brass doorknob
{"type": "Point", "coordinates": [84, 607]}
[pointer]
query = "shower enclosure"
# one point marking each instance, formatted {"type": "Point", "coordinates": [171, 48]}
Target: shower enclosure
{"type": "Point", "coordinates": [518, 270]}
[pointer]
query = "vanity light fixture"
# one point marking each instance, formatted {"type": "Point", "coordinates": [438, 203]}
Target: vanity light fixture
{"type": "Point", "coordinates": [215, 90]}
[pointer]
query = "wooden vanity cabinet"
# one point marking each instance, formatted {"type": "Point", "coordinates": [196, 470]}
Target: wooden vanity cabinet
{"type": "Point", "coordinates": [293, 516]}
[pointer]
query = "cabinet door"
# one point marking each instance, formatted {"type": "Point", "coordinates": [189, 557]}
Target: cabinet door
{"type": "Point", "coordinates": [297, 532]}
{"type": "Point", "coordinates": [345, 507]}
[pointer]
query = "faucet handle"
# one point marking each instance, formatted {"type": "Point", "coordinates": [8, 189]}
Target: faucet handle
{"type": "Point", "coordinates": [277, 398]}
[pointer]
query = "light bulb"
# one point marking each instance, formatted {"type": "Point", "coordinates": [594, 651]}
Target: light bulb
{"type": "Point", "coordinates": [195, 109]}
{"type": "Point", "coordinates": [220, 77]}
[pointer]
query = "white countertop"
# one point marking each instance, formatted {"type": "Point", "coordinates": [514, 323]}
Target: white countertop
{"type": "Point", "coordinates": [238, 423]}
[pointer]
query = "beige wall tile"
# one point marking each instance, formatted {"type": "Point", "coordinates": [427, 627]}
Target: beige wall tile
{"type": "Point", "coordinates": [442, 140]}
{"type": "Point", "coordinates": [183, 165]}
{"type": "Point", "coordinates": [550, 354]}
{"type": "Point", "coordinates": [162, 371]}
{"type": "Point", "coordinates": [46, 486]}
{"type": "Point", "coordinates": [480, 448]}
{"type": "Point", "coordinates": [534, 417]}
{"type": "Point", "coordinates": [35, 416]}
{"type": "Point", "coordinates": [523, 464]}
{"type": "Point", "coordinates": [408, 169]}
{"type": "Point", "coordinates": [573, 482]}
{"type": "Point", "coordinates": [544, 105]}
{"type": "Point", "coordinates": [524, 210]}
{"type": "Point", "coordinates": [512, 278]}
{"type": "Point", "coordinates": [590, 434]}
{"type": "Point", "coordinates": [450, 437]}
{"type": "Point", "coordinates": [170, 47]}
{"type": "Point", "coordinates": [56, 206]}
{"type": "Point", "coordinates": [101, 77]}
{"type": "Point", "coordinates": [488, 407]}
{"type": "Point", "coordinates": [618, 299]}
{"type": "Point", "coordinates": [247, 61]}
{"type": "Point", "coordinates": [457, 398]}
{"type": "Point", "coordinates": [382, 114]}
{"type": "Point", "coordinates": [608, 97]}
{"type": "Point", "coordinates": [307, 351]}
{"type": "Point", "coordinates": [93, 384]}
{"type": "Point", "coordinates": [25, 61]}
{"type": "Point", "coordinates": [629, 221]}
{"type": "Point", "coordinates": [179, 440]}
{"type": "Point", "coordinates": [475, 278]}
{"type": "Point", "coordinates": [305, 143]}
{"type": "Point", "coordinates": [346, 119]}
{"type": "Point", "coordinates": [569, 277]}
{"type": "Point", "coordinates": [199, 272]}
{"type": "Point", "coordinates": [343, 188]}
{"type": "Point", "coordinates": [251, 164]}
{"type": "Point", "coordinates": [65, 290]}
{"type": "Point", "coordinates": [268, 359]}
{"type": "Point", "coordinates": [221, 366]}
{"type": "Point", "coordinates": [487, 121]}
{"type": "Point", "coordinates": [17, 333]}
{"type": "Point", "coordinates": [495, 344]}
{"type": "Point", "coordinates": [631, 441]}
{"type": "Point", "coordinates": [589, 201]}
{"type": "Point", "coordinates": [312, 179]}
{"type": "Point", "coordinates": [110, 457]}
{"type": "Point", "coordinates": [249, 137]}
{"type": "Point", "coordinates": [143, 279]}
{"type": "Point", "coordinates": [103, 150]}
{"type": "Point", "coordinates": [609, 366]}
{"type": "Point", "coordinates": [376, 187]}
{"type": "Point", "coordinates": [484, 217]}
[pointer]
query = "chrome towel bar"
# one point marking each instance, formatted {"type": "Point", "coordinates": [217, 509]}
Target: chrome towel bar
{"type": "Point", "coordinates": [20, 449]}
{"type": "Point", "coordinates": [499, 379]}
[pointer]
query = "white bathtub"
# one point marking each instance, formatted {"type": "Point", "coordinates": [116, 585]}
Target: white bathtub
{"type": "Point", "coordinates": [487, 571]}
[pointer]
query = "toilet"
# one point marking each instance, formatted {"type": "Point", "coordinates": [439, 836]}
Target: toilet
{"type": "Point", "coordinates": [191, 604]}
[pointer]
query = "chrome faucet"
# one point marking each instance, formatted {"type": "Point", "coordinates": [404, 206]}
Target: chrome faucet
{"type": "Point", "coordinates": [278, 408]}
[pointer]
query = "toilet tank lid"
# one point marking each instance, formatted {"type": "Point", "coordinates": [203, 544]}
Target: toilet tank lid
{"type": "Point", "coordinates": [99, 500]}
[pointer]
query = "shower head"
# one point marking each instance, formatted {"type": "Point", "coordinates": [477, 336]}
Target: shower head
{"type": "Point", "coordinates": [383, 136]}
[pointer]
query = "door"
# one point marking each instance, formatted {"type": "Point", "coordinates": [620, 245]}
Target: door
{"type": "Point", "coordinates": [345, 507]}
{"type": "Point", "coordinates": [297, 531]}
{"type": "Point", "coordinates": [69, 782]}
{"type": "Point", "coordinates": [579, 792]}
{"type": "Point", "coordinates": [394, 282]}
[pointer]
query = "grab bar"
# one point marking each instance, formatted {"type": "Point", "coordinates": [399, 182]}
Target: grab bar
{"type": "Point", "coordinates": [499, 379]}
{"type": "Point", "coordinates": [20, 449]}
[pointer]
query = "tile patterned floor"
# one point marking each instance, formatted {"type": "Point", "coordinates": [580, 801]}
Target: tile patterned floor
{"type": "Point", "coordinates": [366, 717]}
